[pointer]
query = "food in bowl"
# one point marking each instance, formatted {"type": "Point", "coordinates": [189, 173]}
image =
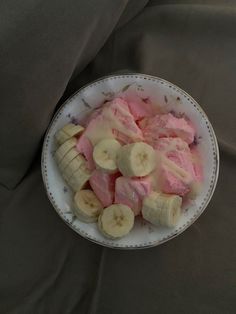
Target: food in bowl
{"type": "Point", "coordinates": [127, 160]}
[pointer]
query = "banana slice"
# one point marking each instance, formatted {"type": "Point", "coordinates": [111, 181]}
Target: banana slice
{"type": "Point", "coordinates": [68, 131]}
{"type": "Point", "coordinates": [87, 206]}
{"type": "Point", "coordinates": [162, 209]}
{"type": "Point", "coordinates": [64, 149]}
{"type": "Point", "coordinates": [79, 178]}
{"type": "Point", "coordinates": [137, 159]}
{"type": "Point", "coordinates": [105, 153]}
{"type": "Point", "coordinates": [116, 221]}
{"type": "Point", "coordinates": [73, 166]}
{"type": "Point", "coordinates": [68, 158]}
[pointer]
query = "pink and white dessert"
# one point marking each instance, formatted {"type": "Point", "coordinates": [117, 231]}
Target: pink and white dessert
{"type": "Point", "coordinates": [134, 158]}
{"type": "Point", "coordinates": [130, 122]}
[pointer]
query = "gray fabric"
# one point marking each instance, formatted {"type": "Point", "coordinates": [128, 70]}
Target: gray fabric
{"type": "Point", "coordinates": [42, 43]}
{"type": "Point", "coordinates": [44, 266]}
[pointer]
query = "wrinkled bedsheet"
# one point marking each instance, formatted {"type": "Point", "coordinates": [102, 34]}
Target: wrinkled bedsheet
{"type": "Point", "coordinates": [49, 49]}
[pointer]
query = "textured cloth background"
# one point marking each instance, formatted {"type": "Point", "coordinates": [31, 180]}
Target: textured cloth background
{"type": "Point", "coordinates": [49, 49]}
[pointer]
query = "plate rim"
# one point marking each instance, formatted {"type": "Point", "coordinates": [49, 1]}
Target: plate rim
{"type": "Point", "coordinates": [165, 239]}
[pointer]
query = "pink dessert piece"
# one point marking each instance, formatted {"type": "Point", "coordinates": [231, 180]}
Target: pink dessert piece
{"type": "Point", "coordinates": [140, 105]}
{"type": "Point", "coordinates": [117, 104]}
{"type": "Point", "coordinates": [197, 165]}
{"type": "Point", "coordinates": [113, 120]}
{"type": "Point", "coordinates": [140, 109]}
{"type": "Point", "coordinates": [85, 147]}
{"type": "Point", "coordinates": [172, 184]}
{"type": "Point", "coordinates": [131, 191]}
{"type": "Point", "coordinates": [103, 185]}
{"type": "Point", "coordinates": [166, 144]}
{"type": "Point", "coordinates": [166, 125]}
{"type": "Point", "coordinates": [121, 137]}
{"type": "Point", "coordinates": [93, 115]}
{"type": "Point", "coordinates": [178, 152]}
{"type": "Point", "coordinates": [183, 160]}
{"type": "Point", "coordinates": [129, 131]}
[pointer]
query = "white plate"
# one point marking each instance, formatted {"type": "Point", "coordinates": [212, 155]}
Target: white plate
{"type": "Point", "coordinates": [159, 92]}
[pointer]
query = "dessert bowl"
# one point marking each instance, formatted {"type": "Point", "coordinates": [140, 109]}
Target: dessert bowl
{"type": "Point", "coordinates": [147, 89]}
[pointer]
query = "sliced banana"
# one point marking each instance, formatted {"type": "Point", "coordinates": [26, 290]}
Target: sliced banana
{"type": "Point", "coordinates": [116, 221]}
{"type": "Point", "coordinates": [70, 155]}
{"type": "Point", "coordinates": [73, 166]}
{"type": "Point", "coordinates": [79, 178]}
{"type": "Point", "coordinates": [64, 149]}
{"type": "Point", "coordinates": [105, 154]}
{"type": "Point", "coordinates": [73, 129]}
{"type": "Point", "coordinates": [68, 131]}
{"type": "Point", "coordinates": [162, 209]}
{"type": "Point", "coordinates": [61, 137]}
{"type": "Point", "coordinates": [137, 159]}
{"type": "Point", "coordinates": [87, 206]}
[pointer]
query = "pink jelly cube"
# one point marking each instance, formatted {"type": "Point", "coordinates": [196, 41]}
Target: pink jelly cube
{"type": "Point", "coordinates": [131, 191]}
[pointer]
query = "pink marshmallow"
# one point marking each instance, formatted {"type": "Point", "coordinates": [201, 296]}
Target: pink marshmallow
{"type": "Point", "coordinates": [118, 103]}
{"type": "Point", "coordinates": [171, 184]}
{"type": "Point", "coordinates": [177, 151]}
{"type": "Point", "coordinates": [121, 112]}
{"type": "Point", "coordinates": [166, 144]}
{"type": "Point", "coordinates": [119, 122]}
{"type": "Point", "coordinates": [103, 185]}
{"type": "Point", "coordinates": [140, 109]}
{"type": "Point", "coordinates": [166, 125]}
{"type": "Point", "coordinates": [183, 160]}
{"type": "Point", "coordinates": [121, 137]}
{"type": "Point", "coordinates": [85, 147]}
{"type": "Point", "coordinates": [131, 191]}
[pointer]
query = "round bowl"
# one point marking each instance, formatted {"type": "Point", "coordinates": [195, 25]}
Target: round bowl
{"type": "Point", "coordinates": [134, 87]}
